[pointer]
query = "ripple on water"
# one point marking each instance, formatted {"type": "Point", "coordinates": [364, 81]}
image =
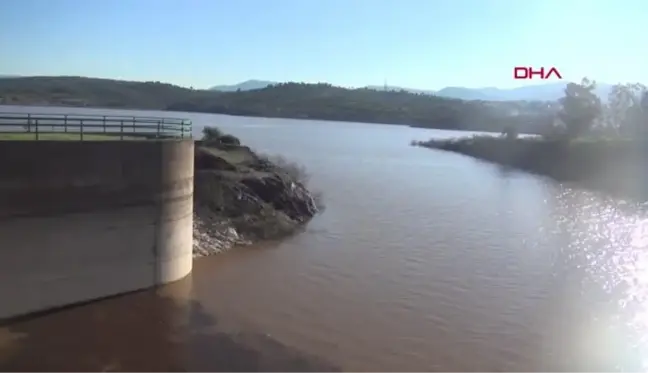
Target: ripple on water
{"type": "Point", "coordinates": [425, 260]}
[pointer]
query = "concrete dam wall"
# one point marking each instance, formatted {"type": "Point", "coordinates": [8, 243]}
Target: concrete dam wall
{"type": "Point", "coordinates": [89, 219]}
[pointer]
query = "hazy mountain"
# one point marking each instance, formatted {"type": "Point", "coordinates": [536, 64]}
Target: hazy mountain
{"type": "Point", "coordinates": [247, 85]}
{"type": "Point", "coordinates": [466, 93]}
{"type": "Point", "coordinates": [396, 88]}
{"type": "Point", "coordinates": [541, 92]}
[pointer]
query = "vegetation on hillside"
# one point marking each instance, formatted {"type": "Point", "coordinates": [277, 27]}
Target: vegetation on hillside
{"type": "Point", "coordinates": [603, 146]}
{"type": "Point", "coordinates": [288, 100]}
{"type": "Point", "coordinates": [327, 102]}
{"type": "Point", "coordinates": [80, 91]}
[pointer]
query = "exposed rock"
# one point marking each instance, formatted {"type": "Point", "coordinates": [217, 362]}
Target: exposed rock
{"type": "Point", "coordinates": [240, 197]}
{"type": "Point", "coordinates": [288, 196]}
{"type": "Point", "coordinates": [213, 235]}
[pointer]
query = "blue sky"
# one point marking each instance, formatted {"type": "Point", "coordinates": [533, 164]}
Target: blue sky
{"type": "Point", "coordinates": [411, 43]}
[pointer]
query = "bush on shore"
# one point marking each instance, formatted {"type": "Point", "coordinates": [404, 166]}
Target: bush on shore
{"type": "Point", "coordinates": [230, 140]}
{"type": "Point", "coordinates": [294, 170]}
{"type": "Point", "coordinates": [215, 136]}
{"type": "Point", "coordinates": [298, 173]}
{"type": "Point", "coordinates": [211, 133]}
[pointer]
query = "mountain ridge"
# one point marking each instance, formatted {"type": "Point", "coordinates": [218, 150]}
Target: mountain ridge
{"type": "Point", "coordinates": [321, 101]}
{"type": "Point", "coordinates": [539, 92]}
{"type": "Point", "coordinates": [247, 85]}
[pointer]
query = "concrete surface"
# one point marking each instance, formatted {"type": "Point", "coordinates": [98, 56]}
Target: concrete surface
{"type": "Point", "coordinates": [86, 220]}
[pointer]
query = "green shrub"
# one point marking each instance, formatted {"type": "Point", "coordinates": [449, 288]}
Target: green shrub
{"type": "Point", "coordinates": [229, 140]}
{"type": "Point", "coordinates": [212, 133]}
{"type": "Point", "coordinates": [510, 133]}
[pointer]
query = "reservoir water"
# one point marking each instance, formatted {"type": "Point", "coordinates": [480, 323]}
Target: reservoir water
{"type": "Point", "coordinates": [422, 260]}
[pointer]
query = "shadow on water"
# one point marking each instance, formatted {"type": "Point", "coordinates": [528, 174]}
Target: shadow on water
{"type": "Point", "coordinates": [155, 330]}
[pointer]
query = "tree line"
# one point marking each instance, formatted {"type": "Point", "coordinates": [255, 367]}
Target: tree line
{"type": "Point", "coordinates": [288, 100]}
{"type": "Point", "coordinates": [583, 113]}
{"type": "Point", "coordinates": [327, 102]}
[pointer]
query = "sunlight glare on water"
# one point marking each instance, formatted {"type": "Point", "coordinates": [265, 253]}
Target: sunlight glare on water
{"type": "Point", "coordinates": [423, 260]}
{"type": "Point", "coordinates": [610, 245]}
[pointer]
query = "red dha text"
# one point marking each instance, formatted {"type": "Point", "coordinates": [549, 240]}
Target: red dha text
{"type": "Point", "coordinates": [521, 72]}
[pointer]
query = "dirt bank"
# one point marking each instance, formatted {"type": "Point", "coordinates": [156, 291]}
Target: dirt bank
{"type": "Point", "coordinates": [241, 197]}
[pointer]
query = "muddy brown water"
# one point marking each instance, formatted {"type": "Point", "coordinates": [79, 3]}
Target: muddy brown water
{"type": "Point", "coordinates": [423, 260]}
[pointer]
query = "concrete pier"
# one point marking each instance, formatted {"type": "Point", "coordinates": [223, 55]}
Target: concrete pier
{"type": "Point", "coordinates": [89, 219]}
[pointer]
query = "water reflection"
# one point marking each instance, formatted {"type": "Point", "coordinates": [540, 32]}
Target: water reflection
{"type": "Point", "coordinates": [601, 268]}
{"type": "Point", "coordinates": [422, 261]}
{"type": "Point", "coordinates": [157, 330]}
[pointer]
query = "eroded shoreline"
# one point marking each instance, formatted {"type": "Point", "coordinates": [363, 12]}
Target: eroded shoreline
{"type": "Point", "coordinates": [241, 198]}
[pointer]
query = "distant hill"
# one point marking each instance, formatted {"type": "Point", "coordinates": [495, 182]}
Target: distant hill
{"type": "Point", "coordinates": [541, 92]}
{"type": "Point", "coordinates": [283, 100]}
{"type": "Point", "coordinates": [396, 88]}
{"type": "Point", "coordinates": [465, 93]}
{"type": "Point", "coordinates": [247, 85]}
{"type": "Point", "coordinates": [81, 91]}
{"type": "Point", "coordinates": [328, 102]}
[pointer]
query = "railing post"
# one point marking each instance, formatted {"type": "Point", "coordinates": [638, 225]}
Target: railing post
{"type": "Point", "coordinates": [28, 122]}
{"type": "Point", "coordinates": [81, 129]}
{"type": "Point", "coordinates": [65, 124]}
{"type": "Point", "coordinates": [121, 130]}
{"type": "Point", "coordinates": [36, 125]}
{"type": "Point", "coordinates": [159, 124]}
{"type": "Point", "coordinates": [104, 124]}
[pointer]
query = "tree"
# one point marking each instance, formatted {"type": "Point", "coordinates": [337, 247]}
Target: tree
{"type": "Point", "coordinates": [229, 140]}
{"type": "Point", "coordinates": [643, 104]}
{"type": "Point", "coordinates": [644, 101]}
{"type": "Point", "coordinates": [510, 132]}
{"type": "Point", "coordinates": [579, 107]}
{"type": "Point", "coordinates": [625, 108]}
{"type": "Point", "coordinates": [211, 133]}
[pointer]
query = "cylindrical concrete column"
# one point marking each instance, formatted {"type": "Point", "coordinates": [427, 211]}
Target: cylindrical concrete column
{"type": "Point", "coordinates": [85, 220]}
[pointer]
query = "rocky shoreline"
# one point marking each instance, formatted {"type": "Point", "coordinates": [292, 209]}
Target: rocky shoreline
{"type": "Point", "coordinates": [241, 198]}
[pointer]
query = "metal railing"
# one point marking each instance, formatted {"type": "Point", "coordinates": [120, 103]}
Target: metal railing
{"type": "Point", "coordinates": [92, 127]}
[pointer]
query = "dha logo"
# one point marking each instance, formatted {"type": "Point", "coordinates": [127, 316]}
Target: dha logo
{"type": "Point", "coordinates": [528, 73]}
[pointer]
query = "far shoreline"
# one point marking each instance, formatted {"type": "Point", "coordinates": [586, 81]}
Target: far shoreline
{"type": "Point", "coordinates": [612, 166]}
{"type": "Point", "coordinates": [59, 106]}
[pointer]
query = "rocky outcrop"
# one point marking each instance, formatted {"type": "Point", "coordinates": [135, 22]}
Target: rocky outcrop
{"type": "Point", "coordinates": [285, 195]}
{"type": "Point", "coordinates": [241, 197]}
